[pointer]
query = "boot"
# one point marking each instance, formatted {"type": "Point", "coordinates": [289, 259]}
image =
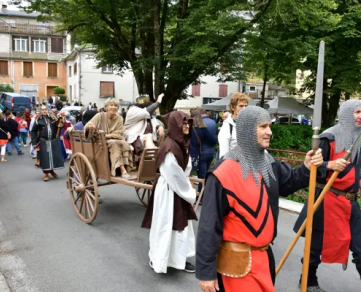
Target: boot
{"type": "Point", "coordinates": [54, 175]}
{"type": "Point", "coordinates": [46, 177]}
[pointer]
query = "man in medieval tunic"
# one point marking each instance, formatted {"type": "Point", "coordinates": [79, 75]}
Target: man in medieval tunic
{"type": "Point", "coordinates": [43, 137]}
{"type": "Point", "coordinates": [337, 223]}
{"type": "Point", "coordinates": [141, 128]}
{"type": "Point", "coordinates": [240, 212]}
{"type": "Point", "coordinates": [170, 210]}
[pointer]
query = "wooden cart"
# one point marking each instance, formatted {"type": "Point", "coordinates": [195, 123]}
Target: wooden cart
{"type": "Point", "coordinates": [89, 169]}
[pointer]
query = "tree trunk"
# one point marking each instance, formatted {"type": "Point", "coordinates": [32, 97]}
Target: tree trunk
{"type": "Point", "coordinates": [157, 48]}
{"type": "Point", "coordinates": [330, 106]}
{"type": "Point", "coordinates": [265, 79]}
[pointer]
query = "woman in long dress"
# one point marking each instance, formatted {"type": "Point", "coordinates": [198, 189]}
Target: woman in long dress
{"type": "Point", "coordinates": [170, 210]}
{"type": "Point", "coordinates": [112, 125]}
{"type": "Point", "coordinates": [44, 138]}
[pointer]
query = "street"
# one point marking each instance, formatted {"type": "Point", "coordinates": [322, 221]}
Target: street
{"type": "Point", "coordinates": [45, 247]}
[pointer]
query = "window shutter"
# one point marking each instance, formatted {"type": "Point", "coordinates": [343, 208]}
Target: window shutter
{"type": "Point", "coordinates": [52, 70]}
{"type": "Point", "coordinates": [196, 90]}
{"type": "Point", "coordinates": [4, 68]}
{"type": "Point", "coordinates": [57, 45]}
{"type": "Point", "coordinates": [107, 88]}
{"type": "Point", "coordinates": [28, 69]}
{"type": "Point", "coordinates": [223, 88]}
{"type": "Point", "coordinates": [32, 45]}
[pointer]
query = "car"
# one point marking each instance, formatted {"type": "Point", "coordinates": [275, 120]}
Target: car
{"type": "Point", "coordinates": [284, 121]}
{"type": "Point", "coordinates": [73, 110]}
{"type": "Point", "coordinates": [15, 102]}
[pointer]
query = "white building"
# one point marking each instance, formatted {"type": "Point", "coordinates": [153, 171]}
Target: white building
{"type": "Point", "coordinates": [87, 83]}
{"type": "Point", "coordinates": [207, 92]}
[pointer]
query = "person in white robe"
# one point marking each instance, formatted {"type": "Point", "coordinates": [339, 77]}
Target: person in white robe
{"type": "Point", "coordinates": [170, 213]}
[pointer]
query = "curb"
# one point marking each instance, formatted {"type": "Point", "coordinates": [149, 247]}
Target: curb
{"type": "Point", "coordinates": [290, 205]}
{"type": "Point", "coordinates": [3, 284]}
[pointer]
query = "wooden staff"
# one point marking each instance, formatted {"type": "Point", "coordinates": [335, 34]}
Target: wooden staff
{"type": "Point", "coordinates": [314, 209]}
{"type": "Point", "coordinates": [309, 222]}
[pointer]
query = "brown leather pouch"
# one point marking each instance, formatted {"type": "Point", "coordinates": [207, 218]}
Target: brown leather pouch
{"type": "Point", "coordinates": [234, 259]}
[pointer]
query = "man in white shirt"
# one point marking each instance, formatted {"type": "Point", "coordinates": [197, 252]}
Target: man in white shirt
{"type": "Point", "coordinates": [227, 138]}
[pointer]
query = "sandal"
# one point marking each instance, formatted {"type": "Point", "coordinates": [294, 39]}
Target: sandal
{"type": "Point", "coordinates": [4, 160]}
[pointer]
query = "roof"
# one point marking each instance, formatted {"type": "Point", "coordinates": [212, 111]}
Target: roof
{"type": "Point", "coordinates": [71, 108]}
{"type": "Point", "coordinates": [15, 94]}
{"type": "Point", "coordinates": [7, 12]}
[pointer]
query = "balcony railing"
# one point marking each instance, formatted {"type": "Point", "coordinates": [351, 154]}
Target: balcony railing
{"type": "Point", "coordinates": [30, 29]}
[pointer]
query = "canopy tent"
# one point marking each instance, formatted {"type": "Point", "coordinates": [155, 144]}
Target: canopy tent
{"type": "Point", "coordinates": [288, 105]}
{"type": "Point", "coordinates": [223, 104]}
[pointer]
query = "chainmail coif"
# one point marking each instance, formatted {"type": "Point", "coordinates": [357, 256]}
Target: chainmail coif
{"type": "Point", "coordinates": [346, 131]}
{"type": "Point", "coordinates": [252, 157]}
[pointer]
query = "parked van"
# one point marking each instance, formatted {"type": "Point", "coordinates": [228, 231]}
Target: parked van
{"type": "Point", "coordinates": [16, 102]}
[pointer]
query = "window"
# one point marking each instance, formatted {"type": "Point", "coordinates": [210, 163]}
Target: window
{"type": "Point", "coordinates": [106, 89]}
{"type": "Point", "coordinates": [57, 45]}
{"type": "Point", "coordinates": [252, 88]}
{"type": "Point", "coordinates": [52, 70]}
{"type": "Point", "coordinates": [28, 69]}
{"type": "Point", "coordinates": [75, 68]}
{"type": "Point", "coordinates": [69, 70]}
{"type": "Point", "coordinates": [196, 90]}
{"type": "Point", "coordinates": [223, 90]}
{"type": "Point", "coordinates": [20, 44]}
{"type": "Point", "coordinates": [39, 45]}
{"type": "Point", "coordinates": [107, 69]}
{"type": "Point", "coordinates": [4, 69]}
{"type": "Point", "coordinates": [71, 92]}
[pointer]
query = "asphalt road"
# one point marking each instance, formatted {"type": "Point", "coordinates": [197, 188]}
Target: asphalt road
{"type": "Point", "coordinates": [45, 247]}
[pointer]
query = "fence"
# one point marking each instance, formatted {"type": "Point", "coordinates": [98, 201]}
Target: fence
{"type": "Point", "coordinates": [294, 159]}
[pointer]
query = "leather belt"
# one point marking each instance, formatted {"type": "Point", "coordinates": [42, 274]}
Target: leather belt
{"type": "Point", "coordinates": [243, 246]}
{"type": "Point", "coordinates": [347, 195]}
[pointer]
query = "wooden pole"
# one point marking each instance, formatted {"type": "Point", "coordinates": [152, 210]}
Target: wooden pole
{"type": "Point", "coordinates": [309, 222]}
{"type": "Point", "coordinates": [315, 207]}
{"type": "Point", "coordinates": [311, 200]}
{"type": "Point", "coordinates": [302, 228]}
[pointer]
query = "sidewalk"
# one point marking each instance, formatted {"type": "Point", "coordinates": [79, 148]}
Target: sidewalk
{"type": "Point", "coordinates": [290, 205]}
{"type": "Point", "coordinates": [3, 284]}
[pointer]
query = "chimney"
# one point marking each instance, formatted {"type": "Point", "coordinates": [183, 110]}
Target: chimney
{"type": "Point", "coordinates": [4, 7]}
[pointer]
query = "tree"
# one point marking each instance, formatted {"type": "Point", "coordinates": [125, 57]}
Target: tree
{"type": "Point", "coordinates": [59, 90]}
{"type": "Point", "coordinates": [291, 43]}
{"type": "Point", "coordinates": [6, 88]}
{"type": "Point", "coordinates": [168, 44]}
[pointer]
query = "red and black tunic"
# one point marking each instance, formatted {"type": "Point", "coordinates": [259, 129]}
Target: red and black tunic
{"type": "Point", "coordinates": [238, 210]}
{"type": "Point", "coordinates": [337, 222]}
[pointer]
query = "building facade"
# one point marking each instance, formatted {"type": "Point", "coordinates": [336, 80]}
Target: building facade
{"type": "Point", "coordinates": [31, 54]}
{"type": "Point", "coordinates": [88, 83]}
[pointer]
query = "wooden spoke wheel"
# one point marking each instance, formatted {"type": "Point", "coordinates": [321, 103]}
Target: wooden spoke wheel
{"type": "Point", "coordinates": [144, 194]}
{"type": "Point", "coordinates": [83, 187]}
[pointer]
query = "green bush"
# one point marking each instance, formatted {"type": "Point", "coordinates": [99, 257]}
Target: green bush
{"type": "Point", "coordinates": [291, 137]}
{"type": "Point", "coordinates": [6, 88]}
{"type": "Point", "coordinates": [62, 97]}
{"type": "Point", "coordinates": [59, 90]}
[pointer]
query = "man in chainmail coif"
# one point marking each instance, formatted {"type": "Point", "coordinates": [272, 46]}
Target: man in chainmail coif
{"type": "Point", "coordinates": [239, 214]}
{"type": "Point", "coordinates": [337, 222]}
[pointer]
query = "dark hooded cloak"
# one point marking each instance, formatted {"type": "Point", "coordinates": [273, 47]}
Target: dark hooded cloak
{"type": "Point", "coordinates": [178, 144]}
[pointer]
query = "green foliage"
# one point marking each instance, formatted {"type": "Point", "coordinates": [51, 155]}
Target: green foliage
{"type": "Point", "coordinates": [59, 90]}
{"type": "Point", "coordinates": [167, 44]}
{"type": "Point", "coordinates": [6, 88]}
{"type": "Point", "coordinates": [291, 137]}
{"type": "Point", "coordinates": [62, 97]}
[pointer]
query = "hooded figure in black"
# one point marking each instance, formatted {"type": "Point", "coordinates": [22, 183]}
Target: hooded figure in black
{"type": "Point", "coordinates": [170, 211]}
{"type": "Point", "coordinates": [44, 138]}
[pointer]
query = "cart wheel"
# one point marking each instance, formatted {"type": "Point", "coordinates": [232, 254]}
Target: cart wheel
{"type": "Point", "coordinates": [144, 194]}
{"type": "Point", "coordinates": [83, 187]}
